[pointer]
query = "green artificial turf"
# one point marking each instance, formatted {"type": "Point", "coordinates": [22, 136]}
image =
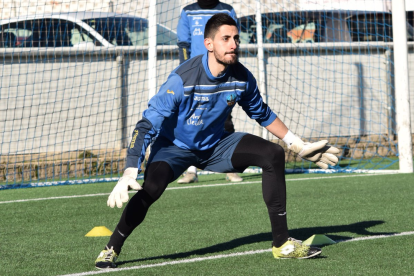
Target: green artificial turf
{"type": "Point", "coordinates": [207, 219]}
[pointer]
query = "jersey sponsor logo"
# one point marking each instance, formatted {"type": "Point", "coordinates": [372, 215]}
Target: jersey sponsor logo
{"type": "Point", "coordinates": [197, 31]}
{"type": "Point", "coordinates": [170, 92]}
{"type": "Point", "coordinates": [201, 98]}
{"type": "Point", "coordinates": [195, 120]}
{"type": "Point", "coordinates": [197, 18]}
{"type": "Point", "coordinates": [231, 99]}
{"type": "Point", "coordinates": [134, 138]}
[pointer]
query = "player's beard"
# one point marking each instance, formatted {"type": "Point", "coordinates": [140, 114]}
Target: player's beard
{"type": "Point", "coordinates": [222, 60]}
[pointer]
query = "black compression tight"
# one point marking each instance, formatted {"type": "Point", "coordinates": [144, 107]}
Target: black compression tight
{"type": "Point", "coordinates": [251, 151]}
{"type": "Point", "coordinates": [255, 151]}
{"type": "Point", "coordinates": [157, 177]}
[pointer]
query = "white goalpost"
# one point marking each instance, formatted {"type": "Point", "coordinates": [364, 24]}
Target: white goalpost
{"type": "Point", "coordinates": [402, 92]}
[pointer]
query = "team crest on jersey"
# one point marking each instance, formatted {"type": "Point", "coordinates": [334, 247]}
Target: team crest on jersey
{"type": "Point", "coordinates": [231, 99]}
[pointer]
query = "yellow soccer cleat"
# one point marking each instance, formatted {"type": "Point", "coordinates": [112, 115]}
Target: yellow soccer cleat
{"type": "Point", "coordinates": [106, 259]}
{"type": "Point", "coordinates": [294, 249]}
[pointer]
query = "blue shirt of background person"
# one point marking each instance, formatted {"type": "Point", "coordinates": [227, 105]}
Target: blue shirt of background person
{"type": "Point", "coordinates": [193, 19]}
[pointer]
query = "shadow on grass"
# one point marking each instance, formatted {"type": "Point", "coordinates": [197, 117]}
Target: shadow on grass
{"type": "Point", "coordinates": [359, 228]}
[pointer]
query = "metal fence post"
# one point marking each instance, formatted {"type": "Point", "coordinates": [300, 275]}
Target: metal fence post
{"type": "Point", "coordinates": [123, 102]}
{"type": "Point", "coordinates": [111, 6]}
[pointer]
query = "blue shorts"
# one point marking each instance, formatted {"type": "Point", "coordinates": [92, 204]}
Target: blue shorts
{"type": "Point", "coordinates": [216, 159]}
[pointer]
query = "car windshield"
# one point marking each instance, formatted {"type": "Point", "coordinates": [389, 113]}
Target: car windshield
{"type": "Point", "coordinates": [375, 27]}
{"type": "Point", "coordinates": [123, 31]}
{"type": "Point", "coordinates": [44, 32]}
{"type": "Point", "coordinates": [323, 26]}
{"type": "Point", "coordinates": [283, 28]}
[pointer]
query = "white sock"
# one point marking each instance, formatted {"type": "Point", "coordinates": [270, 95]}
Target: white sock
{"type": "Point", "coordinates": [192, 169]}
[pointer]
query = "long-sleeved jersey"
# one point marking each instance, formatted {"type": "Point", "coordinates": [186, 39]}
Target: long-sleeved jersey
{"type": "Point", "coordinates": [192, 105]}
{"type": "Point", "coordinates": [190, 29]}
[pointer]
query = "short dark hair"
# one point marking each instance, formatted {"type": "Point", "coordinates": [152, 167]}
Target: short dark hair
{"type": "Point", "coordinates": [215, 22]}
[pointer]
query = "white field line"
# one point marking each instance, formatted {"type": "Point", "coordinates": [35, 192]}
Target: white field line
{"type": "Point", "coordinates": [377, 237]}
{"type": "Point", "coordinates": [221, 256]}
{"type": "Point", "coordinates": [186, 187]}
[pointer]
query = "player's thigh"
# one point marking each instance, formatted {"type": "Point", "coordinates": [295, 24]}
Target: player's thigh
{"type": "Point", "coordinates": [255, 151]}
{"type": "Point", "coordinates": [178, 159]}
{"type": "Point", "coordinates": [156, 179]}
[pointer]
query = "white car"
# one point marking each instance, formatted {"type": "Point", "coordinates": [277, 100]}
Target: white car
{"type": "Point", "coordinates": [80, 29]}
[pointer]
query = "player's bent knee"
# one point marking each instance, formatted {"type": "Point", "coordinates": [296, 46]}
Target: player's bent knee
{"type": "Point", "coordinates": [158, 176]}
{"type": "Point", "coordinates": [154, 191]}
{"type": "Point", "coordinates": [274, 153]}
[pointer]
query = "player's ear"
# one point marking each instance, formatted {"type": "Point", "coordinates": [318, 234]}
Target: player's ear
{"type": "Point", "coordinates": [208, 42]}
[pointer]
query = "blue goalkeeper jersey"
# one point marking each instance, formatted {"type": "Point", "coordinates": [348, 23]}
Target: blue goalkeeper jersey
{"type": "Point", "coordinates": [190, 29]}
{"type": "Point", "coordinates": [192, 105]}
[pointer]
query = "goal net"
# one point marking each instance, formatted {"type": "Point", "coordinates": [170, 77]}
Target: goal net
{"type": "Point", "coordinates": [76, 77]}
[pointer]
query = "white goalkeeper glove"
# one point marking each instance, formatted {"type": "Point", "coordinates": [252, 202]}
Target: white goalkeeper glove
{"type": "Point", "coordinates": [319, 152]}
{"type": "Point", "coordinates": [119, 194]}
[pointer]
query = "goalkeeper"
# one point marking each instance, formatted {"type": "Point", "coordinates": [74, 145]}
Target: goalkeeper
{"type": "Point", "coordinates": [186, 117]}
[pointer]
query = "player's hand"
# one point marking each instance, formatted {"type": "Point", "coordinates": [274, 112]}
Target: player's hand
{"type": "Point", "coordinates": [319, 153]}
{"type": "Point", "coordinates": [119, 194]}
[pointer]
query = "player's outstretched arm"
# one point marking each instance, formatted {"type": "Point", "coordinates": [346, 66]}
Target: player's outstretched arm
{"type": "Point", "coordinates": [319, 152]}
{"type": "Point", "coordinates": [119, 194]}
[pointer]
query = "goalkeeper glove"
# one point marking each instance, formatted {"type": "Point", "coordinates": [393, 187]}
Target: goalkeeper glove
{"type": "Point", "coordinates": [119, 194]}
{"type": "Point", "coordinates": [319, 152]}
